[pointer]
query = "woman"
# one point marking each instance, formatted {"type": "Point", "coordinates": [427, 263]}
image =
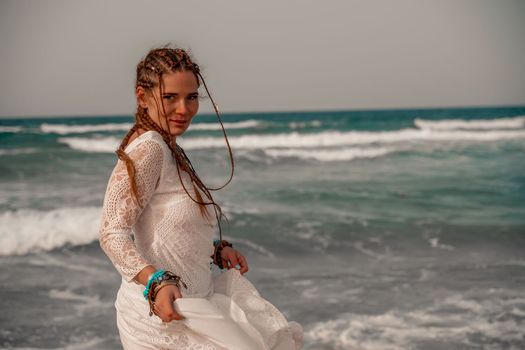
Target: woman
{"type": "Point", "coordinates": [168, 298]}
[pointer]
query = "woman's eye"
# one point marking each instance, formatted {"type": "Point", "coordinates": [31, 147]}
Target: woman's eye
{"type": "Point", "coordinates": [193, 97]}
{"type": "Point", "coordinates": [168, 97]}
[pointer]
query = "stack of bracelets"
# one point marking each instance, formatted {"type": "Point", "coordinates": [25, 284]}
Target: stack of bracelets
{"type": "Point", "coordinates": [162, 278]}
{"type": "Point", "coordinates": [219, 245]}
{"type": "Point", "coordinates": [156, 282]}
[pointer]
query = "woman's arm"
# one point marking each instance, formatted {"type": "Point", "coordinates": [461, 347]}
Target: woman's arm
{"type": "Point", "coordinates": [121, 211]}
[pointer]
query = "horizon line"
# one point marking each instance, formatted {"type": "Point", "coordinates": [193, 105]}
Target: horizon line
{"type": "Point", "coordinates": [64, 116]}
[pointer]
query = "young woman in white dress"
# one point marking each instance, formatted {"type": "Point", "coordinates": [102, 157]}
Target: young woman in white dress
{"type": "Point", "coordinates": [157, 229]}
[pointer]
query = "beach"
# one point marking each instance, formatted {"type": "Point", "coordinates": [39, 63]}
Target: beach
{"type": "Point", "coordinates": [379, 229]}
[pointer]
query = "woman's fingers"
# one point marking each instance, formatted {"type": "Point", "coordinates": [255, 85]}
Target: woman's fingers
{"type": "Point", "coordinates": [243, 263]}
{"type": "Point", "coordinates": [164, 304]}
{"type": "Point", "coordinates": [172, 314]}
{"type": "Point", "coordinates": [228, 256]}
{"type": "Point", "coordinates": [226, 263]}
{"type": "Point", "coordinates": [233, 259]}
{"type": "Point", "coordinates": [233, 262]}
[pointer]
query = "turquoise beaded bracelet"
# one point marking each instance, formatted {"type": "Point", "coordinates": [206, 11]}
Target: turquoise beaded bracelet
{"type": "Point", "coordinates": [153, 277]}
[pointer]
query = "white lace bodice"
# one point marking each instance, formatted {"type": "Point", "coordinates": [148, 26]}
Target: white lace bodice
{"type": "Point", "coordinates": [169, 230]}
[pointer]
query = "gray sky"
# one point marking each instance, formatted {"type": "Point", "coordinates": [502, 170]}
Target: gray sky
{"type": "Point", "coordinates": [78, 57]}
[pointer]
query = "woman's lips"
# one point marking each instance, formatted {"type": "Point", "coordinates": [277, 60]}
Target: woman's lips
{"type": "Point", "coordinates": [178, 122]}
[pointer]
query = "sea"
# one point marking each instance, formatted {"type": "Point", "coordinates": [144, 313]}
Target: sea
{"type": "Point", "coordinates": [376, 229]}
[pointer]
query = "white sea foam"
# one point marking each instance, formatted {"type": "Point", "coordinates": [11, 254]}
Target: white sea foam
{"type": "Point", "coordinates": [76, 342]}
{"type": "Point", "coordinates": [310, 231]}
{"type": "Point", "coordinates": [330, 155]}
{"type": "Point", "coordinates": [301, 125]}
{"type": "Point", "coordinates": [336, 138]}
{"type": "Point", "coordinates": [47, 260]}
{"type": "Point", "coordinates": [68, 294]}
{"type": "Point", "coordinates": [17, 151]}
{"type": "Point", "coordinates": [11, 129]}
{"type": "Point", "coordinates": [361, 247]}
{"type": "Point", "coordinates": [254, 246]}
{"type": "Point", "coordinates": [246, 124]}
{"type": "Point", "coordinates": [397, 329]}
{"type": "Point", "coordinates": [64, 129]}
{"type": "Point", "coordinates": [96, 145]}
{"type": "Point", "coordinates": [82, 303]}
{"type": "Point", "coordinates": [434, 242]}
{"type": "Point", "coordinates": [296, 140]}
{"type": "Point", "coordinates": [24, 231]}
{"type": "Point", "coordinates": [476, 124]}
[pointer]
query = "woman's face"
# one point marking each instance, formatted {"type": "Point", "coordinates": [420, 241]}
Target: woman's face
{"type": "Point", "coordinates": [180, 98]}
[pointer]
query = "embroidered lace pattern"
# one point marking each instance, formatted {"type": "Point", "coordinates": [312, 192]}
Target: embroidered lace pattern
{"type": "Point", "coordinates": [169, 232]}
{"type": "Point", "coordinates": [121, 211]}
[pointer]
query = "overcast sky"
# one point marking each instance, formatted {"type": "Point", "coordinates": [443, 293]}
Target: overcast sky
{"type": "Point", "coordinates": [78, 57]}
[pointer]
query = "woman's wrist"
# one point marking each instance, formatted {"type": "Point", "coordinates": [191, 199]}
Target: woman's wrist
{"type": "Point", "coordinates": [219, 246]}
{"type": "Point", "coordinates": [145, 274]}
{"type": "Point", "coordinates": [157, 281]}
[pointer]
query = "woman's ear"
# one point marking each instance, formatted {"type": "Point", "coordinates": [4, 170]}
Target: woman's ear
{"type": "Point", "coordinates": [140, 94]}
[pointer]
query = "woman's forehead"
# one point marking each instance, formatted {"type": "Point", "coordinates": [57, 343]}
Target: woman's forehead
{"type": "Point", "coordinates": [180, 81]}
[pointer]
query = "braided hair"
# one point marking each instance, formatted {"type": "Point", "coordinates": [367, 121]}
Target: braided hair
{"type": "Point", "coordinates": [150, 71]}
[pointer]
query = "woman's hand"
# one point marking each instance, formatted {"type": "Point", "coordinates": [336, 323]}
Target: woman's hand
{"type": "Point", "coordinates": [231, 258]}
{"type": "Point", "coordinates": [164, 307]}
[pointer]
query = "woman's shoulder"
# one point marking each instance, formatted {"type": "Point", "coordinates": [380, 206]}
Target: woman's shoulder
{"type": "Point", "coordinates": [148, 148]}
{"type": "Point", "coordinates": [146, 141]}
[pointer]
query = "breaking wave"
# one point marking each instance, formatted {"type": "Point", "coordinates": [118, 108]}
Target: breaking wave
{"type": "Point", "coordinates": [247, 124]}
{"type": "Point", "coordinates": [330, 155]}
{"type": "Point", "coordinates": [17, 151]}
{"type": "Point", "coordinates": [473, 124]}
{"type": "Point", "coordinates": [453, 320]}
{"type": "Point", "coordinates": [336, 138]}
{"type": "Point", "coordinates": [26, 231]}
{"type": "Point", "coordinates": [95, 145]}
{"type": "Point", "coordinates": [11, 129]}
{"type": "Point", "coordinates": [64, 129]}
{"type": "Point", "coordinates": [304, 141]}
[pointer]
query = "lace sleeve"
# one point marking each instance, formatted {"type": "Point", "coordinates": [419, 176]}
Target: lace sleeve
{"type": "Point", "coordinates": [120, 211]}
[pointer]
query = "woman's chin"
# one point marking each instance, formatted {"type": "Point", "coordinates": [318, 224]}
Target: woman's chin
{"type": "Point", "coordinates": [176, 131]}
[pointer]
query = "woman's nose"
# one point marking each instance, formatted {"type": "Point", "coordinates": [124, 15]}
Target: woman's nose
{"type": "Point", "coordinates": [182, 108]}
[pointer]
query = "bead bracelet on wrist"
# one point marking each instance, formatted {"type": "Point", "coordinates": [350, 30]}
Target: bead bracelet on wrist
{"type": "Point", "coordinates": [154, 283]}
{"type": "Point", "coordinates": [219, 245]}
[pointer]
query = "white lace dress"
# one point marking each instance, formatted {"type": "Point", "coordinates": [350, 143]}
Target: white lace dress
{"type": "Point", "coordinates": [171, 233]}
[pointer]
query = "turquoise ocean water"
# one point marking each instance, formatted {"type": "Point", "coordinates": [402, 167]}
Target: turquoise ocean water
{"type": "Point", "coordinates": [392, 229]}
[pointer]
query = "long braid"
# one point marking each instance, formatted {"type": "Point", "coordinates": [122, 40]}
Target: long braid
{"type": "Point", "coordinates": [149, 74]}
